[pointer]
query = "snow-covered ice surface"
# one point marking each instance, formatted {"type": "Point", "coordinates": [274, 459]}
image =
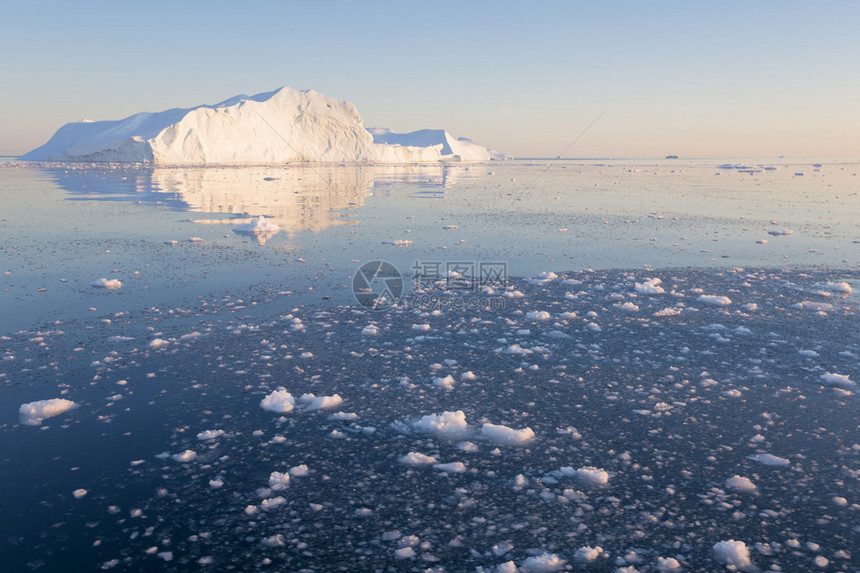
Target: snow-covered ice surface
{"type": "Point", "coordinates": [236, 411]}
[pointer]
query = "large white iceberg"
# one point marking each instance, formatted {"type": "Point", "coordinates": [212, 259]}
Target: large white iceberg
{"type": "Point", "coordinates": [274, 127]}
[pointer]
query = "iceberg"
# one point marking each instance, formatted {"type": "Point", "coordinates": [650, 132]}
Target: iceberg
{"type": "Point", "coordinates": [280, 126]}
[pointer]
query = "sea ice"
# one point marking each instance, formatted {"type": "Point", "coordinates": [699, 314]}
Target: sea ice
{"type": "Point", "coordinates": [732, 552]}
{"type": "Point", "coordinates": [838, 380]}
{"type": "Point", "coordinates": [769, 459]}
{"type": "Point", "coordinates": [184, 457]}
{"type": "Point", "coordinates": [312, 402]}
{"type": "Point", "coordinates": [259, 226]}
{"type": "Point", "coordinates": [446, 424]}
{"type": "Point", "coordinates": [417, 459]}
{"type": "Point", "coordinates": [545, 563]}
{"type": "Point", "coordinates": [33, 413]}
{"type": "Point", "coordinates": [650, 286]}
{"type": "Point", "coordinates": [280, 401]}
{"type": "Point", "coordinates": [740, 483]}
{"type": "Point", "coordinates": [505, 436]}
{"type": "Point", "coordinates": [109, 284]}
{"type": "Point", "coordinates": [451, 467]}
{"type": "Point", "coordinates": [715, 300]}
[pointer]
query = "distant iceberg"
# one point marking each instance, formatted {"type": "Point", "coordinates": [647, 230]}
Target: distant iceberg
{"type": "Point", "coordinates": [281, 126]}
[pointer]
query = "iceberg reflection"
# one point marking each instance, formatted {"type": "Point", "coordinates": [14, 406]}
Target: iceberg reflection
{"type": "Point", "coordinates": [291, 198]}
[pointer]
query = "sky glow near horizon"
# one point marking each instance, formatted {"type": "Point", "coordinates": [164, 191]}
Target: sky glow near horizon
{"type": "Point", "coordinates": [727, 79]}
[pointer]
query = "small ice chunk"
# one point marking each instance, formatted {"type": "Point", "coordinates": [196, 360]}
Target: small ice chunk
{"type": "Point", "coordinates": [668, 565]}
{"type": "Point", "coordinates": [421, 327]}
{"type": "Point", "coordinates": [715, 300]}
{"type": "Point", "coordinates": [33, 413]}
{"type": "Point", "coordinates": [79, 493]}
{"type": "Point", "coordinates": [768, 459]}
{"type": "Point", "coordinates": [416, 459]}
{"type": "Point", "coordinates": [109, 284]}
{"type": "Point", "coordinates": [157, 343]}
{"type": "Point", "coordinates": [447, 382]}
{"type": "Point", "coordinates": [780, 232]}
{"type": "Point", "coordinates": [650, 286]}
{"type": "Point", "coordinates": [299, 470]}
{"type": "Point", "coordinates": [209, 435]}
{"type": "Point", "coordinates": [842, 287]}
{"type": "Point", "coordinates": [184, 457]}
{"type": "Point", "coordinates": [732, 552]}
{"type": "Point", "coordinates": [538, 315]}
{"type": "Point", "coordinates": [592, 475]}
{"type": "Point", "coordinates": [312, 402]}
{"type": "Point", "coordinates": [740, 483]}
{"type": "Point", "coordinates": [271, 503]}
{"type": "Point", "coordinates": [446, 424]}
{"type": "Point", "coordinates": [280, 401]}
{"type": "Point", "coordinates": [838, 380]}
{"type": "Point", "coordinates": [546, 563]}
{"type": "Point", "coordinates": [279, 481]}
{"type": "Point", "coordinates": [812, 305]}
{"type": "Point", "coordinates": [258, 226]}
{"type": "Point", "coordinates": [451, 467]}
{"type": "Point", "coordinates": [588, 553]}
{"type": "Point", "coordinates": [369, 330]}
{"type": "Point", "coordinates": [505, 436]}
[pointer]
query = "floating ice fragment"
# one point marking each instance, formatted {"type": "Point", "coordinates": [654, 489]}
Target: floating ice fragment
{"type": "Point", "coordinates": [271, 503]}
{"type": "Point", "coordinates": [668, 565]}
{"type": "Point", "coordinates": [447, 382]}
{"type": "Point", "coordinates": [79, 493]}
{"type": "Point", "coordinates": [111, 284]}
{"type": "Point", "coordinates": [732, 552]}
{"type": "Point", "coordinates": [650, 286]}
{"type": "Point", "coordinates": [842, 287]}
{"type": "Point", "coordinates": [838, 380]}
{"type": "Point", "coordinates": [416, 459]}
{"type": "Point", "coordinates": [279, 481]}
{"type": "Point", "coordinates": [451, 467]}
{"type": "Point", "coordinates": [715, 300]}
{"type": "Point", "coordinates": [157, 343]}
{"type": "Point", "coordinates": [369, 330]}
{"type": "Point", "coordinates": [299, 470]}
{"type": "Point", "coordinates": [446, 424]}
{"type": "Point", "coordinates": [209, 435]}
{"type": "Point", "coordinates": [546, 563]}
{"type": "Point", "coordinates": [768, 459]}
{"type": "Point", "coordinates": [280, 401]}
{"type": "Point", "coordinates": [468, 376]}
{"type": "Point", "coordinates": [258, 226]}
{"type": "Point", "coordinates": [740, 483]}
{"type": "Point", "coordinates": [538, 315]}
{"type": "Point", "coordinates": [780, 232]}
{"type": "Point", "coordinates": [421, 327]}
{"type": "Point", "coordinates": [312, 402]}
{"type": "Point", "coordinates": [588, 553]}
{"type": "Point", "coordinates": [503, 435]}
{"type": "Point", "coordinates": [184, 457]}
{"type": "Point", "coordinates": [33, 413]}
{"type": "Point", "coordinates": [811, 305]}
{"type": "Point", "coordinates": [592, 475]}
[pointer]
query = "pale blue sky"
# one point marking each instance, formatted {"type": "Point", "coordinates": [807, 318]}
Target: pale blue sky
{"type": "Point", "coordinates": [698, 79]}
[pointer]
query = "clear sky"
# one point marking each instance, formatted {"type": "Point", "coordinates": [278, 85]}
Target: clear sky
{"type": "Point", "coordinates": [693, 78]}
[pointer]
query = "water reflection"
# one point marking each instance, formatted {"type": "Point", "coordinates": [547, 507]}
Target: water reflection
{"type": "Point", "coordinates": [293, 197]}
